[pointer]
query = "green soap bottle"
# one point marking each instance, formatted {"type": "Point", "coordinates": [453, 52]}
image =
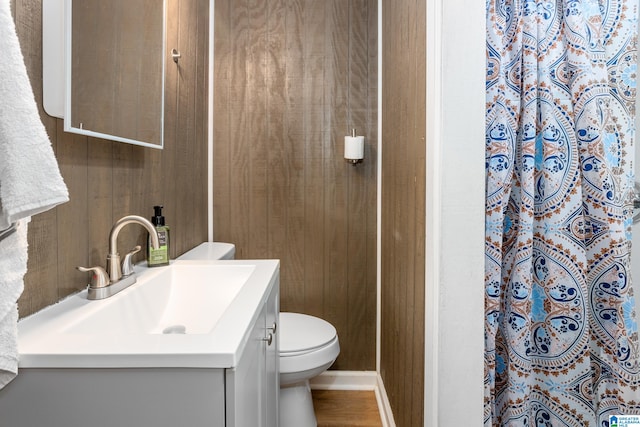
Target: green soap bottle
{"type": "Point", "coordinates": [160, 256]}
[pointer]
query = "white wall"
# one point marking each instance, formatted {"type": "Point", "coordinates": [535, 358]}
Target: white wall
{"type": "Point", "coordinates": [454, 344]}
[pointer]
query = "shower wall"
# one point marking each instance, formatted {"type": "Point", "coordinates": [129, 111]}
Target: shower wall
{"type": "Point", "coordinates": [403, 207]}
{"type": "Point", "coordinates": [291, 78]}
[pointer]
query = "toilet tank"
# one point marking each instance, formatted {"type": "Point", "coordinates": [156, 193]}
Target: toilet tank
{"type": "Point", "coordinates": [210, 250]}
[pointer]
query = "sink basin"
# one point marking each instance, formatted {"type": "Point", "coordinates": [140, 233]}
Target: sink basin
{"type": "Point", "coordinates": [182, 299]}
{"type": "Point", "coordinates": [187, 314]}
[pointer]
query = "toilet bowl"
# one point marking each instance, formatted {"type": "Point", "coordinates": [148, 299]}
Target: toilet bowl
{"type": "Point", "coordinates": [308, 347]}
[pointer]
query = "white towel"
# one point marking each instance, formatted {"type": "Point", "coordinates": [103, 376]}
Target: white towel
{"type": "Point", "coordinates": [30, 182]}
{"type": "Point", "coordinates": [13, 266]}
{"type": "Point", "coordinates": [8, 338]}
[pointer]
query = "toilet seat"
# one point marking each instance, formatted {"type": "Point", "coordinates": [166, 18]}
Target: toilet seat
{"type": "Point", "coordinates": [301, 333]}
{"type": "Point", "coordinates": [306, 342]}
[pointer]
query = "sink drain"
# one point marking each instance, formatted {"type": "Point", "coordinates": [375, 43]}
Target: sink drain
{"type": "Point", "coordinates": [175, 329]}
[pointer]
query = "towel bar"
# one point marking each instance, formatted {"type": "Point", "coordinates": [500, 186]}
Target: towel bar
{"type": "Point", "coordinates": [8, 231]}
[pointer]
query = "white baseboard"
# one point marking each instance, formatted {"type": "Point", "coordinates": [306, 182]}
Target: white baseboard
{"type": "Point", "coordinates": [345, 380]}
{"type": "Point", "coordinates": [386, 414]}
{"type": "Point", "coordinates": [357, 380]}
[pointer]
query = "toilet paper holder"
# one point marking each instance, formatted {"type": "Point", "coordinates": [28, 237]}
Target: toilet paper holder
{"type": "Point", "coordinates": [354, 148]}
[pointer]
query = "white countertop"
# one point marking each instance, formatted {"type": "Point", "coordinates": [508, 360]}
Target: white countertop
{"type": "Point", "coordinates": [63, 335]}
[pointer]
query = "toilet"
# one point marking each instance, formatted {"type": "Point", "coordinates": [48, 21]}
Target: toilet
{"type": "Point", "coordinates": [210, 250]}
{"type": "Point", "coordinates": [308, 347]}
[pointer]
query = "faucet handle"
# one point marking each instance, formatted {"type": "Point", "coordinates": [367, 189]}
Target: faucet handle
{"type": "Point", "coordinates": [127, 263]}
{"type": "Point", "coordinates": [99, 277]}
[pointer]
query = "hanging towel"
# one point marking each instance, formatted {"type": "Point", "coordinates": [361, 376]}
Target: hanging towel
{"type": "Point", "coordinates": [13, 266]}
{"type": "Point", "coordinates": [30, 182]}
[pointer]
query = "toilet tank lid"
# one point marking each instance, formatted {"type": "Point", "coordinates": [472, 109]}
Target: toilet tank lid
{"type": "Point", "coordinates": [210, 251]}
{"type": "Point", "coordinates": [301, 332]}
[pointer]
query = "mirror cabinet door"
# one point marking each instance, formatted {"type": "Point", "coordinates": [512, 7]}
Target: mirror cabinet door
{"type": "Point", "coordinates": [115, 69]}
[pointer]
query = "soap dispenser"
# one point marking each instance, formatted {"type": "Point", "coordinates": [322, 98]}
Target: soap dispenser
{"type": "Point", "coordinates": [160, 256]}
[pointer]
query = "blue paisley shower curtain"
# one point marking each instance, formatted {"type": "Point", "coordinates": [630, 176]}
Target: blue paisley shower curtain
{"type": "Point", "coordinates": [561, 340]}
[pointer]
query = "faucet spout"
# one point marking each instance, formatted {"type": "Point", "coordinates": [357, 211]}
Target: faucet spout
{"type": "Point", "coordinates": [113, 259]}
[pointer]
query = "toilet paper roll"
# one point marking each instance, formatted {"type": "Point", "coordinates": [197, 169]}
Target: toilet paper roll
{"type": "Point", "coordinates": [354, 147]}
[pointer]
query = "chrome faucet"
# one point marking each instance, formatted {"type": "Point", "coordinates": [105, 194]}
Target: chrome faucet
{"type": "Point", "coordinates": [113, 259]}
{"type": "Point", "coordinates": [107, 283]}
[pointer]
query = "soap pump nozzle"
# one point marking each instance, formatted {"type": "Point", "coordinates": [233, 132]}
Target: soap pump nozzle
{"type": "Point", "coordinates": [157, 219]}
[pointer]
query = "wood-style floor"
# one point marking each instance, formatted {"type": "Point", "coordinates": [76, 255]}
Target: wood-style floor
{"type": "Point", "coordinates": [338, 408]}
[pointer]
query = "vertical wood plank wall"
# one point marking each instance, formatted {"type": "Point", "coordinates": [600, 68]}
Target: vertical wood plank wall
{"type": "Point", "coordinates": [292, 77]}
{"type": "Point", "coordinates": [403, 207]}
{"type": "Point", "coordinates": [108, 180]}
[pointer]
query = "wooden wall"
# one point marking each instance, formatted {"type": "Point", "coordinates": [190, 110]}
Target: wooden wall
{"type": "Point", "coordinates": [108, 180]}
{"type": "Point", "coordinates": [403, 207]}
{"type": "Point", "coordinates": [292, 77]}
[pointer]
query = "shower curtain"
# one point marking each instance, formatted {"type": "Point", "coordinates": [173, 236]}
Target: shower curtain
{"type": "Point", "coordinates": [561, 339]}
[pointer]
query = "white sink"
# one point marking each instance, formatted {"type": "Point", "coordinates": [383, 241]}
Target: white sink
{"type": "Point", "coordinates": [181, 299]}
{"type": "Point", "coordinates": [187, 314]}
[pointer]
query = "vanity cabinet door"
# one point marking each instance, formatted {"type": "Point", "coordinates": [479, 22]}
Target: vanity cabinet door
{"type": "Point", "coordinates": [253, 387]}
{"type": "Point", "coordinates": [245, 382]}
{"type": "Point", "coordinates": [272, 370]}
